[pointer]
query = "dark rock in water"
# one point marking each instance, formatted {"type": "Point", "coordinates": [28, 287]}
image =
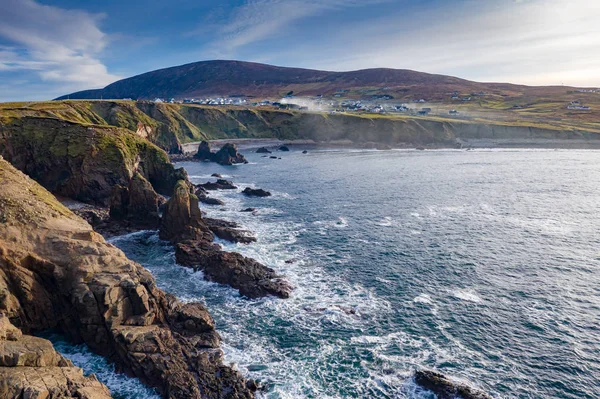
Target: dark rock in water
{"type": "Point", "coordinates": [182, 219]}
{"type": "Point", "coordinates": [290, 261]}
{"type": "Point", "coordinates": [420, 148]}
{"type": "Point", "coordinates": [305, 152]}
{"type": "Point", "coordinates": [229, 231]}
{"type": "Point", "coordinates": [256, 192]}
{"type": "Point", "coordinates": [217, 175]}
{"type": "Point", "coordinates": [284, 148]}
{"type": "Point", "coordinates": [273, 157]}
{"type": "Point", "coordinates": [248, 210]}
{"type": "Point", "coordinates": [251, 278]}
{"type": "Point", "coordinates": [279, 158]}
{"type": "Point", "coordinates": [204, 152]}
{"type": "Point", "coordinates": [265, 156]}
{"type": "Point", "coordinates": [228, 155]}
{"type": "Point", "coordinates": [445, 388]}
{"type": "Point", "coordinates": [263, 150]}
{"type": "Point", "coordinates": [210, 201]}
{"type": "Point", "coordinates": [221, 223]}
{"type": "Point", "coordinates": [220, 184]}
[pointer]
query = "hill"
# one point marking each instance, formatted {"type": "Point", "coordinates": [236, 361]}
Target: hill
{"type": "Point", "coordinates": [169, 126]}
{"type": "Point", "coordinates": [237, 78]}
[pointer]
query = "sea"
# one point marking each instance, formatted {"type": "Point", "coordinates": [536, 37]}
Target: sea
{"type": "Point", "coordinates": [483, 265]}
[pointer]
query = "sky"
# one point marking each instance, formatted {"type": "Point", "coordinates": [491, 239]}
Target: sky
{"type": "Point", "coordinates": [54, 47]}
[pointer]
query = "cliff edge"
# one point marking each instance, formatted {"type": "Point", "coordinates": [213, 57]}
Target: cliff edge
{"type": "Point", "coordinates": [56, 272]}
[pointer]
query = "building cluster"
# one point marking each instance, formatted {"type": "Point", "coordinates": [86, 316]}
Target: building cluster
{"type": "Point", "coordinates": [577, 106]}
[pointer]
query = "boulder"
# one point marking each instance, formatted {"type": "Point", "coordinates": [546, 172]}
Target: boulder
{"type": "Point", "coordinates": [273, 157]}
{"type": "Point", "coordinates": [211, 201]}
{"type": "Point", "coordinates": [218, 175]}
{"type": "Point", "coordinates": [229, 231]}
{"type": "Point", "coordinates": [284, 148]}
{"type": "Point", "coordinates": [263, 150]}
{"type": "Point", "coordinates": [251, 278]}
{"type": "Point", "coordinates": [248, 210]}
{"type": "Point", "coordinates": [182, 219]}
{"type": "Point", "coordinates": [220, 184]}
{"type": "Point", "coordinates": [256, 192]}
{"type": "Point", "coordinates": [228, 155]}
{"type": "Point", "coordinates": [305, 152]}
{"type": "Point", "coordinates": [446, 388]}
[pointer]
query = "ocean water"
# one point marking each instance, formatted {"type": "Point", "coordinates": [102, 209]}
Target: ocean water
{"type": "Point", "coordinates": [481, 264]}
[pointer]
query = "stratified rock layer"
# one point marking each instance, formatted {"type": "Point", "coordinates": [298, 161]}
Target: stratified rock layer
{"type": "Point", "coordinates": [31, 368]}
{"type": "Point", "coordinates": [56, 272]}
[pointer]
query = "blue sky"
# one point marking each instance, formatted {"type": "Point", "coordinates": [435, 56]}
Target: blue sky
{"type": "Point", "coordinates": [52, 47]}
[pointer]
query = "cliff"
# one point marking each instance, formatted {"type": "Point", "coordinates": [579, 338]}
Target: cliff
{"type": "Point", "coordinates": [57, 273]}
{"type": "Point", "coordinates": [168, 126]}
{"type": "Point", "coordinates": [82, 161]}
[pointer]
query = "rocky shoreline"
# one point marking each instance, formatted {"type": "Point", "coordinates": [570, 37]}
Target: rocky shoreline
{"type": "Point", "coordinates": [58, 272]}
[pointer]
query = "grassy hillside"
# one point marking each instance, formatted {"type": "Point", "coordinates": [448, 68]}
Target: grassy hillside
{"type": "Point", "coordinates": [171, 125]}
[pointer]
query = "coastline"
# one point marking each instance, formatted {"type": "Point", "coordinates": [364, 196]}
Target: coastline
{"type": "Point", "coordinates": [483, 143]}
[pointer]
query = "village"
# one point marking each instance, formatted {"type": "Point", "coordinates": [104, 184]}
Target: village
{"type": "Point", "coordinates": [374, 104]}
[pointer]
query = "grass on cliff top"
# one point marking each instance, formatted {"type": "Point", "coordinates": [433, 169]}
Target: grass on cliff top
{"type": "Point", "coordinates": [179, 119]}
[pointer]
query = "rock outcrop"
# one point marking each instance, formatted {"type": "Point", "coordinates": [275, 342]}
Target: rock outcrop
{"type": "Point", "coordinates": [182, 219]}
{"type": "Point", "coordinates": [229, 231]}
{"type": "Point", "coordinates": [251, 278]}
{"type": "Point", "coordinates": [84, 162]}
{"type": "Point", "coordinates": [137, 203]}
{"type": "Point", "coordinates": [192, 235]}
{"type": "Point", "coordinates": [227, 155]}
{"type": "Point", "coordinates": [263, 150]}
{"type": "Point", "coordinates": [256, 192]}
{"type": "Point", "coordinates": [31, 368]}
{"type": "Point", "coordinates": [56, 272]}
{"type": "Point", "coordinates": [220, 184]}
{"type": "Point", "coordinates": [204, 152]}
{"type": "Point", "coordinates": [445, 388]}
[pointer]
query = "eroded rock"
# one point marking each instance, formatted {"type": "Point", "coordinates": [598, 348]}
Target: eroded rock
{"type": "Point", "coordinates": [256, 192]}
{"type": "Point", "coordinates": [445, 388]}
{"type": "Point", "coordinates": [57, 273]}
{"type": "Point", "coordinates": [251, 278]}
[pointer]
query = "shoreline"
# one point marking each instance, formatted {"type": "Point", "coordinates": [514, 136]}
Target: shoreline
{"type": "Point", "coordinates": [464, 144]}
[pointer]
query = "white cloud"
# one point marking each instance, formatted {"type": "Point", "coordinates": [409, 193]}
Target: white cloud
{"type": "Point", "coordinates": [60, 45]}
{"type": "Point", "coordinates": [524, 41]}
{"type": "Point", "coordinates": [259, 20]}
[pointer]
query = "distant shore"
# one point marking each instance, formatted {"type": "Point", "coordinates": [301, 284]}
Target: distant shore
{"type": "Point", "coordinates": [250, 143]}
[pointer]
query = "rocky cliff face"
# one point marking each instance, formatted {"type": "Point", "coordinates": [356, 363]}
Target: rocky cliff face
{"type": "Point", "coordinates": [82, 162]}
{"type": "Point", "coordinates": [31, 368]}
{"type": "Point", "coordinates": [170, 125]}
{"type": "Point", "coordinates": [56, 272]}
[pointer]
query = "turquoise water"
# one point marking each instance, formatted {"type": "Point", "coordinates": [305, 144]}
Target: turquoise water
{"type": "Point", "coordinates": [482, 264]}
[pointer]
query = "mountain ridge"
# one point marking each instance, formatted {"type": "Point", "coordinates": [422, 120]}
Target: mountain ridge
{"type": "Point", "coordinates": [230, 77]}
